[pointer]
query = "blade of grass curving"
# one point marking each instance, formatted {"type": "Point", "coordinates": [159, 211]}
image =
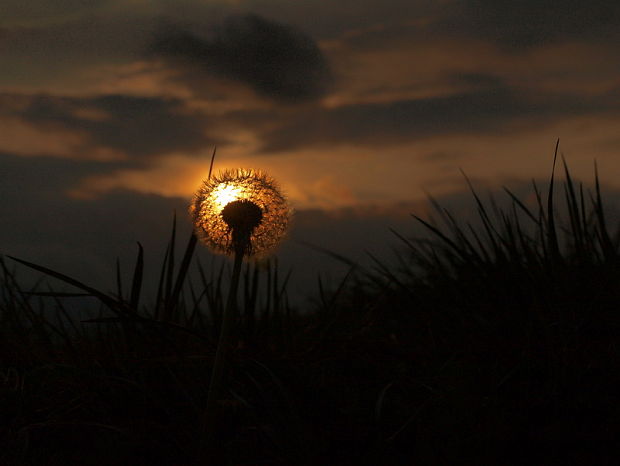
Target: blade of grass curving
{"type": "Point", "coordinates": [112, 304]}
{"type": "Point", "coordinates": [170, 271]}
{"type": "Point", "coordinates": [542, 216]}
{"type": "Point", "coordinates": [606, 243]}
{"type": "Point", "coordinates": [552, 237]}
{"type": "Point", "coordinates": [407, 242]}
{"type": "Point", "coordinates": [584, 218]}
{"type": "Point", "coordinates": [65, 314]}
{"type": "Point", "coordinates": [521, 205]}
{"type": "Point", "coordinates": [196, 315]}
{"type": "Point", "coordinates": [282, 291]}
{"type": "Point", "coordinates": [503, 231]}
{"type": "Point", "coordinates": [159, 301]}
{"type": "Point", "coordinates": [542, 222]}
{"type": "Point", "coordinates": [438, 209]}
{"type": "Point", "coordinates": [460, 236]}
{"type": "Point", "coordinates": [15, 294]}
{"type": "Point", "coordinates": [330, 253]}
{"type": "Point", "coordinates": [136, 283]}
{"type": "Point", "coordinates": [511, 252]}
{"type": "Point", "coordinates": [384, 270]}
{"type": "Point", "coordinates": [442, 237]}
{"type": "Point", "coordinates": [60, 313]}
{"type": "Point", "coordinates": [119, 284]}
{"type": "Point", "coordinates": [55, 329]}
{"type": "Point", "coordinates": [331, 305]}
{"type": "Point", "coordinates": [182, 274]}
{"type": "Point", "coordinates": [573, 211]}
{"type": "Point", "coordinates": [482, 250]}
{"type": "Point", "coordinates": [482, 212]}
{"type": "Point", "coordinates": [207, 287]}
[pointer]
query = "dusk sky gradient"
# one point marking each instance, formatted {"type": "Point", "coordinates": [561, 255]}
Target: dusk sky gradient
{"type": "Point", "coordinates": [110, 110]}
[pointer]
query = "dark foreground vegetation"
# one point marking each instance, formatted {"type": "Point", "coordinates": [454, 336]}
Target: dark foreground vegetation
{"type": "Point", "coordinates": [490, 344]}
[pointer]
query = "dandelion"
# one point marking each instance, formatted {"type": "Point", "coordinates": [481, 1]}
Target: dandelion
{"type": "Point", "coordinates": [242, 211]}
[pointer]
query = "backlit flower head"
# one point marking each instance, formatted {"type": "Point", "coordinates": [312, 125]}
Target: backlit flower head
{"type": "Point", "coordinates": [240, 210]}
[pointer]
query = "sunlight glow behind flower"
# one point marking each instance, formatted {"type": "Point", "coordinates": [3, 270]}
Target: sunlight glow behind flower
{"type": "Point", "coordinates": [225, 194]}
{"type": "Point", "coordinates": [241, 205]}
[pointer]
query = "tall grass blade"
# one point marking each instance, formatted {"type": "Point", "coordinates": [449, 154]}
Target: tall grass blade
{"type": "Point", "coordinates": [170, 272]}
{"type": "Point", "coordinates": [119, 284]}
{"type": "Point", "coordinates": [606, 243]}
{"type": "Point", "coordinates": [573, 212]}
{"type": "Point", "coordinates": [182, 274]}
{"type": "Point", "coordinates": [211, 164]}
{"type": "Point", "coordinates": [136, 284]}
{"type": "Point", "coordinates": [112, 304]}
{"type": "Point", "coordinates": [159, 300]}
{"type": "Point", "coordinates": [552, 237]}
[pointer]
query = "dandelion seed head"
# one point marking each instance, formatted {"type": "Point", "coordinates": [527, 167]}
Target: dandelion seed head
{"type": "Point", "coordinates": [240, 207]}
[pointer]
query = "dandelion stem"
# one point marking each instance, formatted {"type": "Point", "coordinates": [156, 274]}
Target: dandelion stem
{"type": "Point", "coordinates": [223, 347]}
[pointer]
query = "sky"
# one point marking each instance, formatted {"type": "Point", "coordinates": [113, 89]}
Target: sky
{"type": "Point", "coordinates": [110, 110]}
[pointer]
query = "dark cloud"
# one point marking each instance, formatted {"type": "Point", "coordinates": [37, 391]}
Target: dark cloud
{"type": "Point", "coordinates": [43, 9]}
{"type": "Point", "coordinates": [275, 59]}
{"type": "Point", "coordinates": [514, 25]}
{"type": "Point", "coordinates": [476, 80]}
{"type": "Point", "coordinates": [41, 175]}
{"type": "Point", "coordinates": [137, 126]}
{"type": "Point", "coordinates": [527, 23]}
{"type": "Point", "coordinates": [54, 47]}
{"type": "Point", "coordinates": [492, 109]}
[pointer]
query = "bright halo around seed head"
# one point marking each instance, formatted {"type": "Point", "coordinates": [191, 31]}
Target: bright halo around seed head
{"type": "Point", "coordinates": [240, 210]}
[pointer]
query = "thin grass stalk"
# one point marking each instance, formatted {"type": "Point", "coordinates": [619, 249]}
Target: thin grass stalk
{"type": "Point", "coordinates": [607, 247]}
{"type": "Point", "coordinates": [170, 273]}
{"type": "Point", "coordinates": [119, 285]}
{"type": "Point", "coordinates": [173, 302]}
{"type": "Point", "coordinates": [136, 282]}
{"type": "Point", "coordinates": [159, 300]}
{"type": "Point", "coordinates": [223, 346]}
{"type": "Point", "coordinates": [552, 237]}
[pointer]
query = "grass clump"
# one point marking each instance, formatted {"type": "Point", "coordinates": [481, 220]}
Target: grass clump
{"type": "Point", "coordinates": [494, 342]}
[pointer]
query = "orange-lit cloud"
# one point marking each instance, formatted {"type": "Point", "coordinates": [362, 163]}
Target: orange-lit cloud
{"type": "Point", "coordinates": [418, 92]}
{"type": "Point", "coordinates": [19, 137]}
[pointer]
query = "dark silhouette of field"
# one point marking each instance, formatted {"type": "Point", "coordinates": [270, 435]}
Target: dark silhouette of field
{"type": "Point", "coordinates": [490, 344]}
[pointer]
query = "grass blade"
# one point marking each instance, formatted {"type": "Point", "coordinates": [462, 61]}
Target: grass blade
{"type": "Point", "coordinates": [136, 284]}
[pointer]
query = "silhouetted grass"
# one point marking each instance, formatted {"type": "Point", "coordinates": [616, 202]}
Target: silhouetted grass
{"type": "Point", "coordinates": [494, 342]}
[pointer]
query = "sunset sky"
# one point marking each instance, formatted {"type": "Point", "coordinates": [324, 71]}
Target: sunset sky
{"type": "Point", "coordinates": [110, 110]}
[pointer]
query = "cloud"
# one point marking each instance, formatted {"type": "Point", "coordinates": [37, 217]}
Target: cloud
{"type": "Point", "coordinates": [33, 10]}
{"type": "Point", "coordinates": [490, 109]}
{"type": "Point", "coordinates": [274, 59]}
{"type": "Point", "coordinates": [137, 127]}
{"type": "Point", "coordinates": [529, 23]}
